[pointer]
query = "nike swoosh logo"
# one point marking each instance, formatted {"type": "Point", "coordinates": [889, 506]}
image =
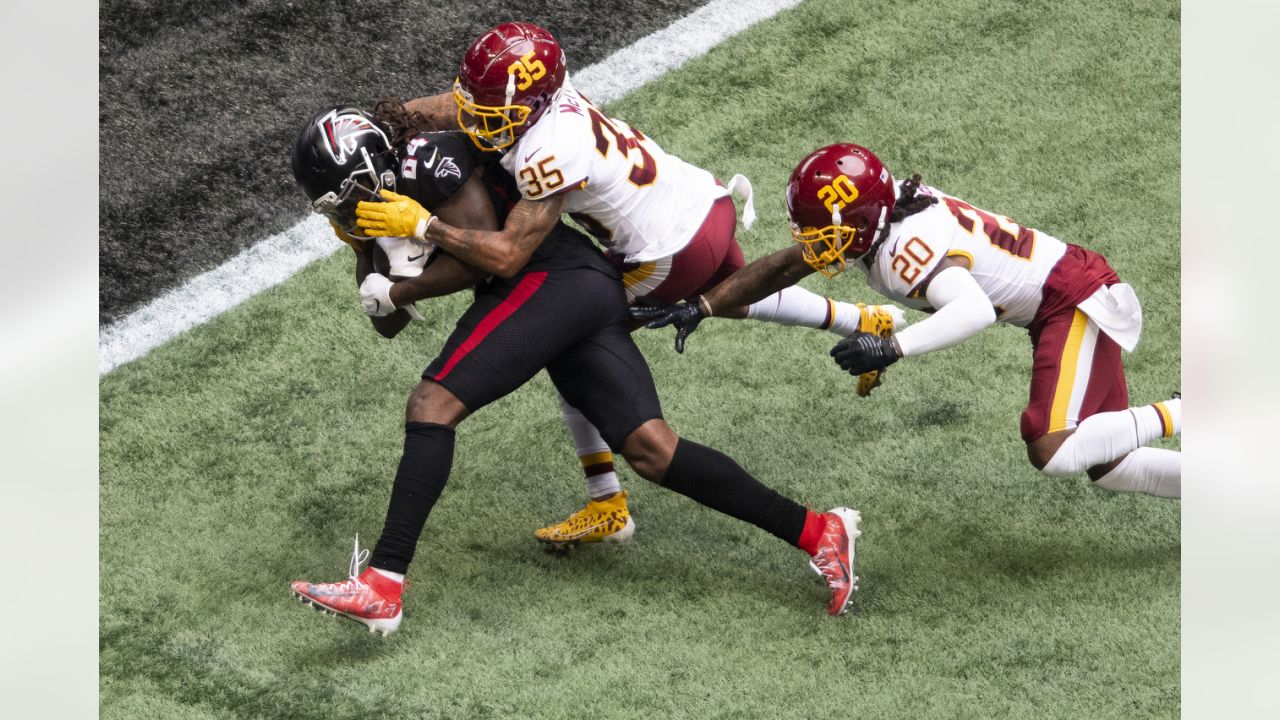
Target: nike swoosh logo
{"type": "Point", "coordinates": [535, 152]}
{"type": "Point", "coordinates": [586, 531]}
{"type": "Point", "coordinates": [415, 257]}
{"type": "Point", "coordinates": [377, 304]}
{"type": "Point", "coordinates": [434, 154]}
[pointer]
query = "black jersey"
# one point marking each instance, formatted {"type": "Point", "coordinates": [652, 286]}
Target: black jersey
{"type": "Point", "coordinates": [435, 165]}
{"type": "Point", "coordinates": [565, 310]}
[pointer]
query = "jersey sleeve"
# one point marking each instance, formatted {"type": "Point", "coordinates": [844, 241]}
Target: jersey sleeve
{"type": "Point", "coordinates": [553, 160]}
{"type": "Point", "coordinates": [436, 165]}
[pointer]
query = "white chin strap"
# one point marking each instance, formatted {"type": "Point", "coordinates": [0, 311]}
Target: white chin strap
{"type": "Point", "coordinates": [511, 94]}
{"type": "Point", "coordinates": [511, 89]}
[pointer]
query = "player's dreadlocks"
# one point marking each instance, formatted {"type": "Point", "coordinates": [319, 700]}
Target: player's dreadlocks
{"type": "Point", "coordinates": [909, 203]}
{"type": "Point", "coordinates": [403, 123]}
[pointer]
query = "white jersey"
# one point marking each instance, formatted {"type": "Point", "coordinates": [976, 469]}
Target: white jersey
{"type": "Point", "coordinates": [638, 200]}
{"type": "Point", "coordinates": [1011, 263]}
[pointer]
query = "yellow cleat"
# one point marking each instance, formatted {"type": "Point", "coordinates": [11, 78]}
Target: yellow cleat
{"type": "Point", "coordinates": [606, 520]}
{"type": "Point", "coordinates": [879, 320]}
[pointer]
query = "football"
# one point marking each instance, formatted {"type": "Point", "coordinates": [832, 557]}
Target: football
{"type": "Point", "coordinates": [381, 263]}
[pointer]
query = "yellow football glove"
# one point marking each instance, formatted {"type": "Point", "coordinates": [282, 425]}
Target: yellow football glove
{"type": "Point", "coordinates": [399, 216]}
{"type": "Point", "coordinates": [352, 241]}
{"type": "Point", "coordinates": [878, 320]}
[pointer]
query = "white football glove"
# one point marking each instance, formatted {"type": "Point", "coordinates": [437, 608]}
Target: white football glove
{"type": "Point", "coordinates": [407, 255]}
{"type": "Point", "coordinates": [375, 295]}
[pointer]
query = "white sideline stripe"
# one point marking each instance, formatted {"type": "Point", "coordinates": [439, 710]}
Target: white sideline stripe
{"type": "Point", "coordinates": [690, 37]}
{"type": "Point", "coordinates": [276, 259]}
{"type": "Point", "coordinates": [207, 295]}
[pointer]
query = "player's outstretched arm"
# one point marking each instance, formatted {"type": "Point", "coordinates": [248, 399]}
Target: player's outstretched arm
{"type": "Point", "coordinates": [506, 251]}
{"type": "Point", "coordinates": [497, 252]}
{"type": "Point", "coordinates": [730, 298]}
{"type": "Point", "coordinates": [757, 281]}
{"type": "Point", "coordinates": [963, 310]}
{"type": "Point", "coordinates": [440, 111]}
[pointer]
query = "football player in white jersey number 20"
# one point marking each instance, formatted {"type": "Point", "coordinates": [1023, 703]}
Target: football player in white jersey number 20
{"type": "Point", "coordinates": [934, 252]}
{"type": "Point", "coordinates": [668, 225]}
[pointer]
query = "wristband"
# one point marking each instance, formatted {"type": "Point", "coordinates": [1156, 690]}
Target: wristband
{"type": "Point", "coordinates": [426, 225]}
{"type": "Point", "coordinates": [704, 305]}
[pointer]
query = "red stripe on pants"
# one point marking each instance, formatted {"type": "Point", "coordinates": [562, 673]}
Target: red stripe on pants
{"type": "Point", "coordinates": [522, 292]}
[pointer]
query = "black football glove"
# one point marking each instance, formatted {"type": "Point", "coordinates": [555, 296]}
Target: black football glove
{"type": "Point", "coordinates": [685, 316]}
{"type": "Point", "coordinates": [863, 352]}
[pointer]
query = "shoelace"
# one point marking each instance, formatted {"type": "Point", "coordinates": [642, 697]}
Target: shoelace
{"type": "Point", "coordinates": [358, 558]}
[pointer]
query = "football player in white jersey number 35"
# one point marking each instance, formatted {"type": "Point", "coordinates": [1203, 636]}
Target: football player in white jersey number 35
{"type": "Point", "coordinates": [668, 225]}
{"type": "Point", "coordinates": [934, 252]}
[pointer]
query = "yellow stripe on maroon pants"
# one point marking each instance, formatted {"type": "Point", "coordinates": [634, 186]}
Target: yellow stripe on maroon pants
{"type": "Point", "coordinates": [1067, 369]}
{"type": "Point", "coordinates": [522, 292]}
{"type": "Point", "coordinates": [639, 274]}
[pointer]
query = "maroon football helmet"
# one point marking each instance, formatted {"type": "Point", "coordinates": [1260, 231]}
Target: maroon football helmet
{"type": "Point", "coordinates": [506, 82]}
{"type": "Point", "coordinates": [838, 199]}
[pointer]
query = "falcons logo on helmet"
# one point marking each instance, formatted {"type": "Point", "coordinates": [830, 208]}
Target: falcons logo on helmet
{"type": "Point", "coordinates": [340, 133]}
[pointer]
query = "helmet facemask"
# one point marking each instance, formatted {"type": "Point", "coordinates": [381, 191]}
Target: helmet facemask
{"type": "Point", "coordinates": [490, 127]}
{"type": "Point", "coordinates": [364, 183]}
{"type": "Point", "coordinates": [823, 249]}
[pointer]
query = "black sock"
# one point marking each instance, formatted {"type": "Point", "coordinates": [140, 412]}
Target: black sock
{"type": "Point", "coordinates": [713, 479]}
{"type": "Point", "coordinates": [424, 469]}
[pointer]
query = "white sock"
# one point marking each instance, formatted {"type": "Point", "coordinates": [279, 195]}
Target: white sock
{"type": "Point", "coordinates": [603, 485]}
{"type": "Point", "coordinates": [797, 306]}
{"type": "Point", "coordinates": [593, 453]}
{"type": "Point", "coordinates": [1104, 437]}
{"type": "Point", "coordinates": [398, 577]}
{"type": "Point", "coordinates": [1164, 417]}
{"type": "Point", "coordinates": [846, 317]}
{"type": "Point", "coordinates": [1153, 471]}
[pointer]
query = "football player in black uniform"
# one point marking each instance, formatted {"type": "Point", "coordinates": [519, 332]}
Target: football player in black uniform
{"type": "Point", "coordinates": [563, 309]}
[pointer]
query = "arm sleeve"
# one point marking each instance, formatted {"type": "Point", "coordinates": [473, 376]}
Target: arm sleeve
{"type": "Point", "coordinates": [963, 311]}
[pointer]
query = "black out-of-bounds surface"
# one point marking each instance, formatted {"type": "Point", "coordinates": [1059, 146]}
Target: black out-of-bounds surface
{"type": "Point", "coordinates": [200, 102]}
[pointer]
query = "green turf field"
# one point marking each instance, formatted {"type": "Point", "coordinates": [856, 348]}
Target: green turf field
{"type": "Point", "coordinates": [248, 452]}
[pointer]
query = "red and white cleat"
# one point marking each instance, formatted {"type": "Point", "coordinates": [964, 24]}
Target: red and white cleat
{"type": "Point", "coordinates": [369, 598]}
{"type": "Point", "coordinates": [834, 560]}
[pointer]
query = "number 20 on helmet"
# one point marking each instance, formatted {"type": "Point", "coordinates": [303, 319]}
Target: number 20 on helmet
{"type": "Point", "coordinates": [506, 82]}
{"type": "Point", "coordinates": [838, 199]}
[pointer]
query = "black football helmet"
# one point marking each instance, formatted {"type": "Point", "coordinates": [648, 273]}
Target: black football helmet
{"type": "Point", "coordinates": [342, 156]}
